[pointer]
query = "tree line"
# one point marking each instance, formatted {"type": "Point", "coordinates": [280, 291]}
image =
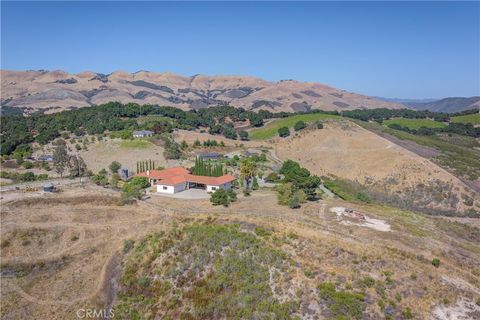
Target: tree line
{"type": "Point", "coordinates": [19, 130]}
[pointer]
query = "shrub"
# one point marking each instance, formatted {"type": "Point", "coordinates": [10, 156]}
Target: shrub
{"type": "Point", "coordinates": [300, 125]}
{"type": "Point", "coordinates": [272, 177]}
{"type": "Point", "coordinates": [284, 193]}
{"type": "Point", "coordinates": [4, 244]}
{"type": "Point", "coordinates": [128, 245]}
{"type": "Point", "coordinates": [283, 132]}
{"type": "Point", "coordinates": [319, 125]}
{"type": "Point", "coordinates": [342, 304]}
{"type": "Point", "coordinates": [220, 197]}
{"type": "Point", "coordinates": [368, 281]}
{"type": "Point", "coordinates": [261, 232]}
{"type": "Point", "coordinates": [142, 182]}
{"type": "Point", "coordinates": [232, 195]}
{"type": "Point", "coordinates": [407, 313]}
{"type": "Point", "coordinates": [243, 135]}
{"type": "Point", "coordinates": [294, 201]}
{"type": "Point", "coordinates": [363, 197]}
{"type": "Point", "coordinates": [436, 262]}
{"type": "Point", "coordinates": [144, 282]}
{"type": "Point", "coordinates": [255, 185]}
{"type": "Point", "coordinates": [28, 165]}
{"type": "Point", "coordinates": [184, 145]}
{"type": "Point", "coordinates": [114, 166]}
{"type": "Point", "coordinates": [130, 190]}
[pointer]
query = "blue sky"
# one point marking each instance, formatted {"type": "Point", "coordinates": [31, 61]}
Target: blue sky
{"type": "Point", "coordinates": [390, 49]}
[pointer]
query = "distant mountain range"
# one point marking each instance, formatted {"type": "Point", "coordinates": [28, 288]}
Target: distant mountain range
{"type": "Point", "coordinates": [53, 91]}
{"type": "Point", "coordinates": [449, 105]}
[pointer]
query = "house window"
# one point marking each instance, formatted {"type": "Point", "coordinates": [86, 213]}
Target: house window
{"type": "Point", "coordinates": [214, 188]}
{"type": "Point", "coordinates": [165, 188]}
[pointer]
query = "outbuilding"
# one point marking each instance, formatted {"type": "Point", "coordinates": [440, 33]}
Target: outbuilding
{"type": "Point", "coordinates": [142, 133]}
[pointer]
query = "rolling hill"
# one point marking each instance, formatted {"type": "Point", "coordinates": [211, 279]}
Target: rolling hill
{"type": "Point", "coordinates": [447, 105]}
{"type": "Point", "coordinates": [53, 91]}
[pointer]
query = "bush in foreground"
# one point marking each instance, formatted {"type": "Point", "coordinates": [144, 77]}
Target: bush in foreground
{"type": "Point", "coordinates": [283, 132]}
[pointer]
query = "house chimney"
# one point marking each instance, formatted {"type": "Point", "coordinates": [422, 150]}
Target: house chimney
{"type": "Point", "coordinates": [148, 172]}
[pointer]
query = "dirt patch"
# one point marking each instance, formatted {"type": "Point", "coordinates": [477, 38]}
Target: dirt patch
{"type": "Point", "coordinates": [352, 217]}
{"type": "Point", "coordinates": [462, 310]}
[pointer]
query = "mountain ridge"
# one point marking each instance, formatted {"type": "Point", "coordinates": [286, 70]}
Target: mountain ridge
{"type": "Point", "coordinates": [57, 90]}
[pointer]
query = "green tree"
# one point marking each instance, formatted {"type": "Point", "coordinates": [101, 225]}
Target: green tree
{"type": "Point", "coordinates": [114, 166]}
{"type": "Point", "coordinates": [255, 185]}
{"type": "Point", "coordinates": [28, 165]}
{"type": "Point", "coordinates": [284, 193]}
{"type": "Point", "coordinates": [100, 178]}
{"type": "Point", "coordinates": [243, 135]}
{"type": "Point", "coordinates": [256, 120]}
{"type": "Point", "coordinates": [283, 132]}
{"type": "Point", "coordinates": [300, 125]}
{"type": "Point", "coordinates": [130, 190]}
{"type": "Point", "coordinates": [184, 145]}
{"type": "Point", "coordinates": [220, 197]}
{"type": "Point", "coordinates": [294, 201]}
{"type": "Point", "coordinates": [77, 166]}
{"type": "Point", "coordinates": [140, 181]}
{"type": "Point", "coordinates": [60, 157]}
{"type": "Point", "coordinates": [248, 169]}
{"type": "Point", "coordinates": [232, 195]}
{"type": "Point", "coordinates": [114, 180]}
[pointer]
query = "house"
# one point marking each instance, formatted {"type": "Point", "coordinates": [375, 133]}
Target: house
{"type": "Point", "coordinates": [142, 133]}
{"type": "Point", "coordinates": [210, 156]}
{"type": "Point", "coordinates": [178, 179]}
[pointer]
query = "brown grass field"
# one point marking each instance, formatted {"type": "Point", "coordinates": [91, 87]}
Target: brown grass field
{"type": "Point", "coordinates": [62, 252]}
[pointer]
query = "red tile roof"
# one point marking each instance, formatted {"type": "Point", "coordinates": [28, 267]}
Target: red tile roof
{"type": "Point", "coordinates": [176, 175]}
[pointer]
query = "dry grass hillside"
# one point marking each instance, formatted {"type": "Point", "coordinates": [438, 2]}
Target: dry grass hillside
{"type": "Point", "coordinates": [345, 150]}
{"type": "Point", "coordinates": [173, 259]}
{"type": "Point", "coordinates": [57, 90]}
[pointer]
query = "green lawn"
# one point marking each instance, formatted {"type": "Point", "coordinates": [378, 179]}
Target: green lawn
{"type": "Point", "coordinates": [415, 123]}
{"type": "Point", "coordinates": [468, 118]}
{"type": "Point", "coordinates": [271, 129]}
{"type": "Point", "coordinates": [135, 144]}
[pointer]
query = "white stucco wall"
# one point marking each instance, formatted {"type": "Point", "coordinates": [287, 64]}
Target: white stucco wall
{"type": "Point", "coordinates": [225, 186]}
{"type": "Point", "coordinates": [171, 189]}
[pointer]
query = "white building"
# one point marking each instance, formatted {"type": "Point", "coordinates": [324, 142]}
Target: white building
{"type": "Point", "coordinates": [178, 179]}
{"type": "Point", "coordinates": [142, 133]}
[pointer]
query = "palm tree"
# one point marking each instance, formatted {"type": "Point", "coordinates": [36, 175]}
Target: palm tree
{"type": "Point", "coordinates": [248, 169]}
